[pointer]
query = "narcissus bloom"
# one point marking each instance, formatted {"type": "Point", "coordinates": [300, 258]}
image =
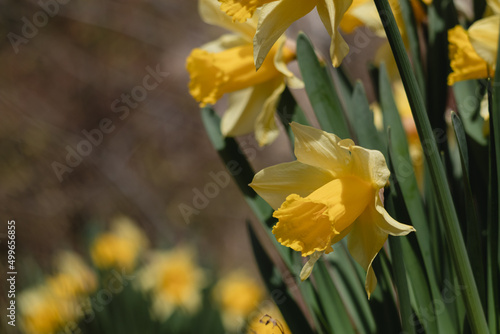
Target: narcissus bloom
{"type": "Point", "coordinates": [473, 52]}
{"type": "Point", "coordinates": [174, 280]}
{"type": "Point", "coordinates": [225, 66]}
{"type": "Point", "coordinates": [238, 295]}
{"type": "Point", "coordinates": [278, 15]}
{"type": "Point", "coordinates": [74, 278]}
{"type": "Point", "coordinates": [331, 191]}
{"type": "Point", "coordinates": [120, 247]}
{"type": "Point", "coordinates": [49, 307]}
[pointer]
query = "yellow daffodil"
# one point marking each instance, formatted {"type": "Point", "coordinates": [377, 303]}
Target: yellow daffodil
{"type": "Point", "coordinates": [74, 278]}
{"type": "Point", "coordinates": [43, 311]}
{"type": "Point", "coordinates": [331, 191]}
{"type": "Point", "coordinates": [54, 304]}
{"type": "Point", "coordinates": [473, 52]}
{"type": "Point", "coordinates": [268, 321]}
{"type": "Point", "coordinates": [225, 66]}
{"type": "Point", "coordinates": [120, 247]}
{"type": "Point", "coordinates": [238, 295]}
{"type": "Point", "coordinates": [174, 280]}
{"type": "Point", "coordinates": [278, 15]}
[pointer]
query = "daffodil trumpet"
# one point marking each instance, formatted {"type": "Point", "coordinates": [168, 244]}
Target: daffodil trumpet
{"type": "Point", "coordinates": [332, 191]}
{"type": "Point", "coordinates": [473, 52]}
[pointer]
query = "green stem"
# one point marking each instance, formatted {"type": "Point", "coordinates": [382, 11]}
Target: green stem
{"type": "Point", "coordinates": [453, 234]}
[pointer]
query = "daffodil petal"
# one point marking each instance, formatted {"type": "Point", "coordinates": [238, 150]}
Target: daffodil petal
{"type": "Point", "coordinates": [243, 108]}
{"type": "Point", "coordinates": [483, 35]}
{"type": "Point", "coordinates": [266, 129]}
{"type": "Point", "coordinates": [388, 224]}
{"type": "Point", "coordinates": [367, 13]}
{"type": "Point", "coordinates": [494, 5]}
{"type": "Point", "coordinates": [284, 55]}
{"type": "Point", "coordinates": [275, 18]}
{"type": "Point", "coordinates": [319, 148]}
{"type": "Point", "coordinates": [308, 267]}
{"type": "Point", "coordinates": [364, 242]}
{"type": "Point", "coordinates": [310, 224]}
{"type": "Point", "coordinates": [369, 165]}
{"type": "Point", "coordinates": [275, 183]}
{"type": "Point", "coordinates": [246, 107]}
{"type": "Point", "coordinates": [349, 21]}
{"type": "Point", "coordinates": [331, 13]}
{"type": "Point", "coordinates": [210, 13]}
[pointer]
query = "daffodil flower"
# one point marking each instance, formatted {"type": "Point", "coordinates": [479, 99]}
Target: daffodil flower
{"type": "Point", "coordinates": [278, 15]}
{"type": "Point", "coordinates": [225, 66]}
{"type": "Point", "coordinates": [331, 191]}
{"type": "Point", "coordinates": [237, 295]}
{"type": "Point", "coordinates": [473, 53]}
{"type": "Point", "coordinates": [120, 247]}
{"type": "Point", "coordinates": [174, 280]}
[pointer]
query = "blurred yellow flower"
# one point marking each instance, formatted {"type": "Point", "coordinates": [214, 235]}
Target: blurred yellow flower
{"type": "Point", "coordinates": [268, 321]}
{"type": "Point", "coordinates": [120, 247]}
{"type": "Point", "coordinates": [43, 311]}
{"type": "Point", "coordinates": [473, 52]}
{"type": "Point", "coordinates": [332, 190]}
{"type": "Point", "coordinates": [174, 280]}
{"type": "Point", "coordinates": [225, 66]}
{"type": "Point", "coordinates": [238, 295]}
{"type": "Point", "coordinates": [55, 304]}
{"type": "Point", "coordinates": [73, 278]}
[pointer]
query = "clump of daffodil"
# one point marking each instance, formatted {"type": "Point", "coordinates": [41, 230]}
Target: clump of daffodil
{"type": "Point", "coordinates": [73, 278]}
{"type": "Point", "coordinates": [120, 247]}
{"type": "Point", "coordinates": [174, 280]}
{"type": "Point", "coordinates": [225, 66]}
{"type": "Point", "coordinates": [473, 52]}
{"type": "Point", "coordinates": [278, 15]}
{"type": "Point", "coordinates": [52, 305]}
{"type": "Point", "coordinates": [238, 295]}
{"type": "Point", "coordinates": [268, 321]}
{"type": "Point", "coordinates": [42, 311]}
{"type": "Point", "coordinates": [333, 190]}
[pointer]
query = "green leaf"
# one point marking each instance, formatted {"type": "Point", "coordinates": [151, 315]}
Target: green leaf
{"type": "Point", "coordinates": [320, 90]}
{"type": "Point", "coordinates": [411, 32]}
{"type": "Point", "coordinates": [289, 111]}
{"type": "Point", "coordinates": [350, 283]}
{"type": "Point", "coordinates": [329, 298]}
{"type": "Point", "coordinates": [406, 180]}
{"type": "Point", "coordinates": [473, 225]}
{"type": "Point", "coordinates": [362, 121]}
{"type": "Point", "coordinates": [494, 218]}
{"type": "Point", "coordinates": [241, 171]}
{"type": "Point", "coordinates": [468, 95]}
{"type": "Point", "coordinates": [439, 178]}
{"type": "Point", "coordinates": [277, 288]}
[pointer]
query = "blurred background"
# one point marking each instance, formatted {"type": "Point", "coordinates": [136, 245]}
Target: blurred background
{"type": "Point", "coordinates": [68, 76]}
